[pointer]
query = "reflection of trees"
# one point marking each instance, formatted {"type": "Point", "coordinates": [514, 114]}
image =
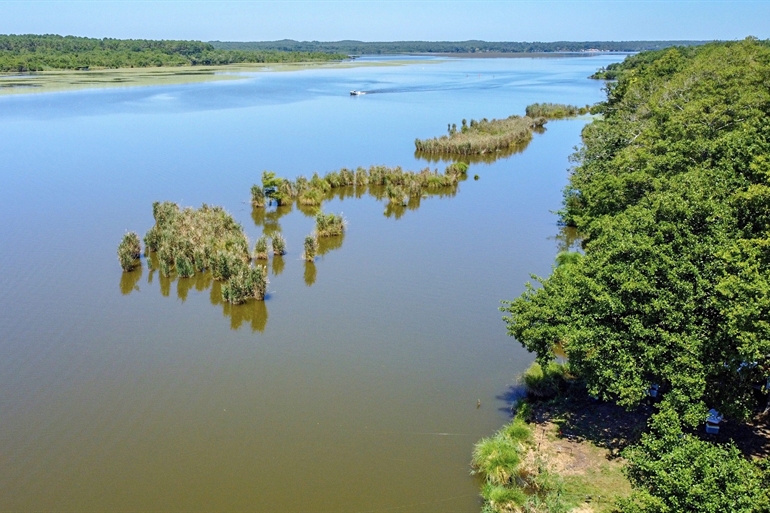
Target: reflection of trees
{"type": "Point", "coordinates": [129, 280]}
{"type": "Point", "coordinates": [269, 219]}
{"type": "Point", "coordinates": [487, 158]}
{"type": "Point", "coordinates": [310, 273]}
{"type": "Point", "coordinates": [568, 239]}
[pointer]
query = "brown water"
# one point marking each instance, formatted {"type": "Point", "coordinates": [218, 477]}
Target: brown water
{"type": "Point", "coordinates": [354, 386]}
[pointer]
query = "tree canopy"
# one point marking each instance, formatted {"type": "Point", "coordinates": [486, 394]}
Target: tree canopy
{"type": "Point", "coordinates": [671, 191]}
{"type": "Point", "coordinates": [22, 53]}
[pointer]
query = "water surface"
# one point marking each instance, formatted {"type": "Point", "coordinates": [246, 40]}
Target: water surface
{"type": "Point", "coordinates": [354, 386]}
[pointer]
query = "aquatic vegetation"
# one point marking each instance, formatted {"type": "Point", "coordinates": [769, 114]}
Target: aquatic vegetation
{"type": "Point", "coordinates": [311, 197]}
{"type": "Point", "coordinates": [257, 196]}
{"type": "Point", "coordinates": [260, 248]}
{"type": "Point", "coordinates": [555, 110]}
{"type": "Point", "coordinates": [328, 225]}
{"type": "Point", "coordinates": [279, 244]}
{"type": "Point", "coordinates": [245, 283]}
{"type": "Point", "coordinates": [482, 137]}
{"type": "Point", "coordinates": [310, 248]}
{"type": "Point", "coordinates": [189, 240]}
{"type": "Point", "coordinates": [129, 251]}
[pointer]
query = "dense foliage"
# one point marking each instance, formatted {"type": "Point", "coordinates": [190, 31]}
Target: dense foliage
{"type": "Point", "coordinates": [671, 191]}
{"type": "Point", "coordinates": [22, 53]}
{"type": "Point", "coordinates": [391, 47]}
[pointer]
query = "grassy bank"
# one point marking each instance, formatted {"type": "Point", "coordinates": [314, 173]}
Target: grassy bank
{"type": "Point", "coordinates": [561, 451]}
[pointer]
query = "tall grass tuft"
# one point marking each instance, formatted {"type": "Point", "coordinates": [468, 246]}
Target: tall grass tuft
{"type": "Point", "coordinates": [247, 282]}
{"type": "Point", "coordinates": [279, 244]}
{"type": "Point", "coordinates": [546, 383]}
{"type": "Point", "coordinates": [310, 247]}
{"type": "Point", "coordinates": [129, 251]}
{"type": "Point", "coordinates": [260, 248]}
{"type": "Point", "coordinates": [328, 225]}
{"type": "Point", "coordinates": [257, 196]}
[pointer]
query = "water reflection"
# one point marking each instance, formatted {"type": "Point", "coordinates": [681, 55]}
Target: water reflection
{"type": "Point", "coordinates": [278, 265]}
{"type": "Point", "coordinates": [568, 239]}
{"type": "Point", "coordinates": [129, 281]}
{"type": "Point", "coordinates": [310, 273]}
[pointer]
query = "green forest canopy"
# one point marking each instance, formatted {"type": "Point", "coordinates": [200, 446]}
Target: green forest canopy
{"type": "Point", "coordinates": [20, 53]}
{"type": "Point", "coordinates": [391, 47]}
{"type": "Point", "coordinates": [671, 192]}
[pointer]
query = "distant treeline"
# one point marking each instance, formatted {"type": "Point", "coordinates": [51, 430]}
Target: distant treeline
{"type": "Point", "coordinates": [392, 47]}
{"type": "Point", "coordinates": [51, 52]}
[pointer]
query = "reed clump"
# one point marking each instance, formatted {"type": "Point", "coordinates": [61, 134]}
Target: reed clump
{"type": "Point", "coordinates": [129, 251]}
{"type": "Point", "coordinates": [246, 283]}
{"type": "Point", "coordinates": [279, 244]}
{"type": "Point", "coordinates": [555, 110]}
{"type": "Point", "coordinates": [260, 248]}
{"type": "Point", "coordinates": [482, 137]}
{"type": "Point", "coordinates": [310, 247]}
{"type": "Point", "coordinates": [193, 240]}
{"type": "Point", "coordinates": [329, 225]}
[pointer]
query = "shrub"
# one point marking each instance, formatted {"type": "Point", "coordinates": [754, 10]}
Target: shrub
{"type": "Point", "coordinates": [226, 264]}
{"type": "Point", "coordinates": [184, 267]}
{"type": "Point", "coordinates": [279, 244]}
{"type": "Point", "coordinates": [129, 250]}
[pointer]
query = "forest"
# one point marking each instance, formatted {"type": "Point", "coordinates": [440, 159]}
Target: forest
{"type": "Point", "coordinates": [667, 302]}
{"type": "Point", "coordinates": [22, 53]}
{"type": "Point", "coordinates": [391, 47]}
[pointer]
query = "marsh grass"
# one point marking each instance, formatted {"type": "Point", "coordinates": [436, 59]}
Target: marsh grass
{"type": "Point", "coordinates": [279, 244]}
{"type": "Point", "coordinates": [329, 225]}
{"type": "Point", "coordinates": [257, 196]}
{"type": "Point", "coordinates": [548, 382]}
{"type": "Point", "coordinates": [248, 282]}
{"type": "Point", "coordinates": [310, 248]}
{"type": "Point", "coordinates": [129, 251]}
{"type": "Point", "coordinates": [482, 137]}
{"type": "Point", "coordinates": [193, 240]}
{"type": "Point", "coordinates": [260, 248]}
{"type": "Point", "coordinates": [555, 110]}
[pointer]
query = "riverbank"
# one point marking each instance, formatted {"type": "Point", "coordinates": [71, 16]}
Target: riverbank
{"type": "Point", "coordinates": [71, 80]}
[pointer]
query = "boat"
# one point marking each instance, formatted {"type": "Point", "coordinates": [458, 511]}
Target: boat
{"type": "Point", "coordinates": [356, 93]}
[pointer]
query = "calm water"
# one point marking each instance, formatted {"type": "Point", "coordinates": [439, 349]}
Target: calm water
{"type": "Point", "coordinates": [353, 388]}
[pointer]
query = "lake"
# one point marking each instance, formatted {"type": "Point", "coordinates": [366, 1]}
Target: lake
{"type": "Point", "coordinates": [354, 386]}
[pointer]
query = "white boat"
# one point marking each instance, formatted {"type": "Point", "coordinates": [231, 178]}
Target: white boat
{"type": "Point", "coordinates": [356, 93]}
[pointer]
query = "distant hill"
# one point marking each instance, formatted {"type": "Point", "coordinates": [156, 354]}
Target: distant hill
{"type": "Point", "coordinates": [395, 47]}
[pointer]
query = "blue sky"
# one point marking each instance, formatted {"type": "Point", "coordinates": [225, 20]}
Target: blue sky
{"type": "Point", "coordinates": [387, 20]}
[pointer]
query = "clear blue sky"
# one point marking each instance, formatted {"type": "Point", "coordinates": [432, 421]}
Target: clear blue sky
{"type": "Point", "coordinates": [390, 20]}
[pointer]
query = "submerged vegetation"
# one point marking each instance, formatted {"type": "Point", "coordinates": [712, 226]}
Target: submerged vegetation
{"type": "Point", "coordinates": [671, 193]}
{"type": "Point", "coordinates": [497, 135]}
{"type": "Point", "coordinates": [22, 53]}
